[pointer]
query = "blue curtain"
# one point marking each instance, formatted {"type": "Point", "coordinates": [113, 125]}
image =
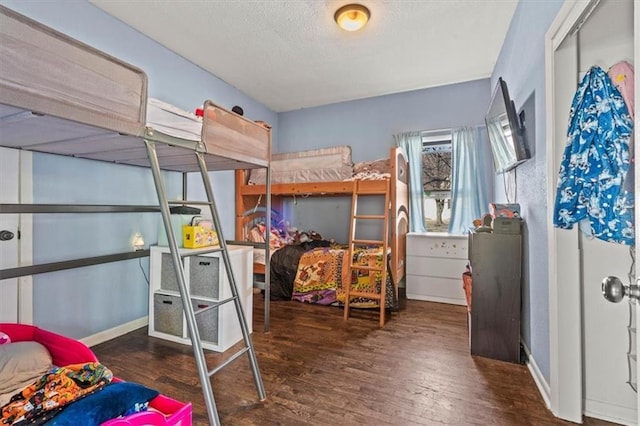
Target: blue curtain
{"type": "Point", "coordinates": [411, 143]}
{"type": "Point", "coordinates": [468, 185]}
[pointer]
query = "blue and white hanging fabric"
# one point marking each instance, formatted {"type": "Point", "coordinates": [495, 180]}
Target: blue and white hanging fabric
{"type": "Point", "coordinates": [595, 162]}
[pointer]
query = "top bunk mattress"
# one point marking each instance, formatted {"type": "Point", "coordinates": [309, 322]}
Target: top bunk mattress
{"type": "Point", "coordinates": [173, 121]}
{"type": "Point", "coordinates": [318, 165]}
{"type": "Point", "coordinates": [46, 72]}
{"type": "Point", "coordinates": [223, 133]}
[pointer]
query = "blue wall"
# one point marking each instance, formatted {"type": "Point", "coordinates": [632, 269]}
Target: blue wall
{"type": "Point", "coordinates": [88, 300]}
{"type": "Point", "coordinates": [368, 126]}
{"type": "Point", "coordinates": [522, 65]}
{"type": "Point", "coordinates": [108, 295]}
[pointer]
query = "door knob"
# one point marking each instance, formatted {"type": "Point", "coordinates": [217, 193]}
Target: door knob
{"type": "Point", "coordinates": [6, 235]}
{"type": "Point", "coordinates": [614, 291]}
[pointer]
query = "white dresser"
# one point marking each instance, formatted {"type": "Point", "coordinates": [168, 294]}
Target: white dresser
{"type": "Point", "coordinates": [435, 263]}
{"type": "Point", "coordinates": [206, 279]}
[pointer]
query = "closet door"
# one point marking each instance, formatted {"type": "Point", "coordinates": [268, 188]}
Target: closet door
{"type": "Point", "coordinates": [590, 338]}
{"type": "Point", "coordinates": [606, 38]}
{"type": "Point", "coordinates": [16, 294]}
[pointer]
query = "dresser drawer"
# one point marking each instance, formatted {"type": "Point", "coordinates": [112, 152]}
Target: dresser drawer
{"type": "Point", "coordinates": [436, 289]}
{"type": "Point", "coordinates": [436, 267]}
{"type": "Point", "coordinates": [446, 246]}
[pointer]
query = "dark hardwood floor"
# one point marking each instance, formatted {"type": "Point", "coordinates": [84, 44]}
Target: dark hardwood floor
{"type": "Point", "coordinates": [320, 370]}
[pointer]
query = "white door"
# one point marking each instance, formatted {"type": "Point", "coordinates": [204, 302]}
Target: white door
{"type": "Point", "coordinates": [590, 337]}
{"type": "Point", "coordinates": [9, 188]}
{"type": "Point", "coordinates": [605, 39]}
{"type": "Point", "coordinates": [16, 294]}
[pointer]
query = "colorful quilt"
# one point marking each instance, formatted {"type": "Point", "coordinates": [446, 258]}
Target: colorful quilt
{"type": "Point", "coordinates": [322, 272]}
{"type": "Point", "coordinates": [43, 399]}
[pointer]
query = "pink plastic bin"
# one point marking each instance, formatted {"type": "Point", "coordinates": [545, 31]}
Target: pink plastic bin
{"type": "Point", "coordinates": [65, 351]}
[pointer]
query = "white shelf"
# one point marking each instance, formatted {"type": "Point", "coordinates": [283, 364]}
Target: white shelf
{"type": "Point", "coordinates": [207, 281]}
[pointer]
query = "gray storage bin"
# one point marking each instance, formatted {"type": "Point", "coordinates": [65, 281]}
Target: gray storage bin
{"type": "Point", "coordinates": [167, 314]}
{"type": "Point", "coordinates": [204, 276]}
{"type": "Point", "coordinates": [168, 280]}
{"type": "Point", "coordinates": [207, 321]}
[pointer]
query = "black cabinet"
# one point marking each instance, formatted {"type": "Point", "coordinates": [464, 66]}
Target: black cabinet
{"type": "Point", "coordinates": [495, 310]}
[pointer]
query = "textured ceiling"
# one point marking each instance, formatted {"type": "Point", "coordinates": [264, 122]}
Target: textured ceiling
{"type": "Point", "coordinates": [289, 54]}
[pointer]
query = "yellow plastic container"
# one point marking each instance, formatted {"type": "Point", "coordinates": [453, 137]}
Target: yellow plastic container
{"type": "Point", "coordinates": [197, 236]}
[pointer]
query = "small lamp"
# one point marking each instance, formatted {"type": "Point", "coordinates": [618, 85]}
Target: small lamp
{"type": "Point", "coordinates": [352, 17]}
{"type": "Point", "coordinates": [137, 242]}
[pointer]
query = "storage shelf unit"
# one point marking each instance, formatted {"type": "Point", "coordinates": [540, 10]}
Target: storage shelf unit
{"type": "Point", "coordinates": [207, 282]}
{"type": "Point", "coordinates": [495, 307]}
{"type": "Point", "coordinates": [435, 263]}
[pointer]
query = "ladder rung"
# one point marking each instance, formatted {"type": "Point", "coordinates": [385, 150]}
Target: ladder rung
{"type": "Point", "coordinates": [366, 268]}
{"type": "Point", "coordinates": [228, 361]}
{"type": "Point", "coordinates": [200, 251]}
{"type": "Point", "coordinates": [211, 305]}
{"type": "Point", "coordinates": [364, 294]}
{"type": "Point", "coordinates": [369, 216]}
{"type": "Point", "coordinates": [185, 202]}
{"type": "Point", "coordinates": [367, 192]}
{"type": "Point", "coordinates": [376, 242]}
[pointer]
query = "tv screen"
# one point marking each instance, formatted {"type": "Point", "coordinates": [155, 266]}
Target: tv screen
{"type": "Point", "coordinates": [505, 134]}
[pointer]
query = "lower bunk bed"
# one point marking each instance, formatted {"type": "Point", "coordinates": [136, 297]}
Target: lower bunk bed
{"type": "Point", "coordinates": [46, 378]}
{"type": "Point", "coordinates": [317, 272]}
{"type": "Point", "coordinates": [304, 267]}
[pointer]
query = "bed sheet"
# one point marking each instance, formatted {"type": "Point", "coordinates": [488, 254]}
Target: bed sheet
{"type": "Point", "coordinates": [322, 272]}
{"type": "Point", "coordinates": [173, 121]}
{"type": "Point", "coordinates": [67, 351]}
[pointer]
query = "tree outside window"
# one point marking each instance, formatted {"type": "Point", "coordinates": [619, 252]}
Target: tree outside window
{"type": "Point", "coordinates": [436, 173]}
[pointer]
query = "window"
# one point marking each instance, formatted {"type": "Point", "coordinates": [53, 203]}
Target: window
{"type": "Point", "coordinates": [436, 174]}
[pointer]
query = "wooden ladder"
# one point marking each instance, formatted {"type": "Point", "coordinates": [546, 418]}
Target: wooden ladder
{"type": "Point", "coordinates": [359, 189]}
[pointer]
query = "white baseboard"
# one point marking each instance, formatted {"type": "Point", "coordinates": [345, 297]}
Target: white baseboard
{"type": "Point", "coordinates": [114, 332]}
{"type": "Point", "coordinates": [438, 299]}
{"type": "Point", "coordinates": [538, 377]}
{"type": "Point", "coordinates": [609, 412]}
{"type": "Point", "coordinates": [594, 409]}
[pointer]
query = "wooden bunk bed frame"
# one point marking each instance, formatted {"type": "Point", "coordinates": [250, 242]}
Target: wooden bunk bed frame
{"type": "Point", "coordinates": [61, 96]}
{"type": "Point", "coordinates": [250, 196]}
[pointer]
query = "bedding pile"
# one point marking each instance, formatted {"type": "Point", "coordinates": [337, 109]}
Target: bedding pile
{"type": "Point", "coordinates": [317, 273]}
{"type": "Point", "coordinates": [282, 235]}
{"type": "Point", "coordinates": [40, 401]}
{"type": "Point", "coordinates": [33, 391]}
{"type": "Point", "coordinates": [372, 170]}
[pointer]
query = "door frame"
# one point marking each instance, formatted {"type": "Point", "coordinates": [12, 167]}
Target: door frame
{"type": "Point", "coordinates": [25, 254]}
{"type": "Point", "coordinates": [565, 290]}
{"type": "Point", "coordinates": [565, 299]}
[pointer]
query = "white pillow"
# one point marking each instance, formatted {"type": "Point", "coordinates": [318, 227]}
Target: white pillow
{"type": "Point", "coordinates": [22, 362]}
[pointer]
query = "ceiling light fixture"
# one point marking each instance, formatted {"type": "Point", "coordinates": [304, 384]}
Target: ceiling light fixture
{"type": "Point", "coordinates": [352, 17]}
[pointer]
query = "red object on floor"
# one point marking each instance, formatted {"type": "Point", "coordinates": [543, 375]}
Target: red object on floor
{"type": "Point", "coordinates": [66, 351]}
{"type": "Point", "coordinates": [466, 285]}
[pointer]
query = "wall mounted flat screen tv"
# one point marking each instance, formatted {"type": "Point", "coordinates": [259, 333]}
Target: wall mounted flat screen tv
{"type": "Point", "coordinates": [506, 135]}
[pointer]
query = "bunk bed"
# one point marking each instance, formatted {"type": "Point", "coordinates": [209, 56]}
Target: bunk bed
{"type": "Point", "coordinates": [60, 96]}
{"type": "Point", "coordinates": [309, 177]}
